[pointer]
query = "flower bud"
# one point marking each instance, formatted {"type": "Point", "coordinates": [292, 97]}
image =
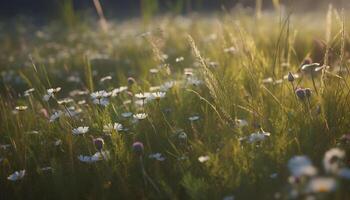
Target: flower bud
{"type": "Point", "coordinates": [300, 92]}
{"type": "Point", "coordinates": [138, 147]}
{"type": "Point", "coordinates": [307, 92]}
{"type": "Point", "coordinates": [290, 77]}
{"type": "Point", "coordinates": [99, 142]}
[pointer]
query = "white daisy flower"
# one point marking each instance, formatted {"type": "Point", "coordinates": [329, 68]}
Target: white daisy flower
{"type": "Point", "coordinates": [158, 95]}
{"type": "Point", "coordinates": [58, 142]}
{"type": "Point", "coordinates": [17, 175]}
{"type": "Point", "coordinates": [103, 79]}
{"type": "Point", "coordinates": [80, 130]}
{"type": "Point", "coordinates": [143, 96]}
{"type": "Point", "coordinates": [332, 160]}
{"type": "Point", "coordinates": [321, 185]}
{"type": "Point", "coordinates": [194, 118]}
{"type": "Point", "coordinates": [21, 108]}
{"type": "Point", "coordinates": [82, 102]}
{"type": "Point", "coordinates": [55, 116]}
{"type": "Point", "coordinates": [140, 116]}
{"type": "Point", "coordinates": [257, 137]}
{"type": "Point", "coordinates": [167, 85]}
{"type": "Point", "coordinates": [154, 70]}
{"type": "Point", "coordinates": [116, 91]}
{"type": "Point", "coordinates": [157, 156]}
{"type": "Point", "coordinates": [65, 101]}
{"type": "Point", "coordinates": [100, 97]}
{"type": "Point", "coordinates": [203, 159]}
{"type": "Point", "coordinates": [28, 92]}
{"type": "Point", "coordinates": [179, 59]}
{"type": "Point", "coordinates": [50, 93]}
{"type": "Point", "coordinates": [241, 123]}
{"type": "Point", "coordinates": [111, 127]}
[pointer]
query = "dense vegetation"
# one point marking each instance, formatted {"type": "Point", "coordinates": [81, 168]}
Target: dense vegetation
{"type": "Point", "coordinates": [196, 107]}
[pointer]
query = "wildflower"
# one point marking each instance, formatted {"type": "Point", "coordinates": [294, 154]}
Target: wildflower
{"type": "Point", "coordinates": [258, 136]}
{"type": "Point", "coordinates": [71, 111]}
{"type": "Point", "coordinates": [307, 92]}
{"type": "Point", "coordinates": [268, 80]}
{"type": "Point", "coordinates": [143, 96]}
{"type": "Point", "coordinates": [131, 81]}
{"type": "Point", "coordinates": [321, 185]}
{"type": "Point", "coordinates": [140, 116]}
{"type": "Point", "coordinates": [179, 59]}
{"type": "Point", "coordinates": [154, 88]}
{"type": "Point", "coordinates": [110, 127]}
{"type": "Point", "coordinates": [167, 85]}
{"type": "Point", "coordinates": [65, 101]}
{"type": "Point", "coordinates": [78, 93]}
{"type": "Point", "coordinates": [100, 97]}
{"type": "Point", "coordinates": [103, 155]}
{"type": "Point", "coordinates": [5, 146]}
{"type": "Point", "coordinates": [309, 67]}
{"type": "Point", "coordinates": [126, 114]}
{"type": "Point", "coordinates": [332, 160]}
{"type": "Point", "coordinates": [306, 61]}
{"type": "Point", "coordinates": [80, 130]}
{"type": "Point", "coordinates": [194, 118]}
{"type": "Point", "coordinates": [158, 95]}
{"type": "Point", "coordinates": [48, 168]}
{"type": "Point", "coordinates": [28, 92]}
{"type": "Point", "coordinates": [58, 142]}
{"type": "Point", "coordinates": [98, 142]}
{"type": "Point", "coordinates": [182, 136]}
{"type": "Point", "coordinates": [103, 79]}
{"type": "Point", "coordinates": [21, 108]}
{"type": "Point", "coordinates": [194, 81]}
{"type": "Point", "coordinates": [203, 159]}
{"type": "Point", "coordinates": [138, 148]}
{"type": "Point", "coordinates": [154, 70]}
{"type": "Point", "coordinates": [188, 71]}
{"type": "Point", "coordinates": [230, 50]}
{"type": "Point", "coordinates": [290, 77]}
{"type": "Point", "coordinates": [241, 123]}
{"type": "Point", "coordinates": [300, 92]}
{"type": "Point", "coordinates": [119, 90]}
{"type": "Point", "coordinates": [157, 156]}
{"type": "Point", "coordinates": [81, 102]}
{"type": "Point", "coordinates": [50, 93]}
{"type": "Point", "coordinates": [17, 175]}
{"type": "Point", "coordinates": [300, 166]}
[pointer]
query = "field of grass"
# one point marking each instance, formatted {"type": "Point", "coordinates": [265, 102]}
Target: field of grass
{"type": "Point", "coordinates": [229, 106]}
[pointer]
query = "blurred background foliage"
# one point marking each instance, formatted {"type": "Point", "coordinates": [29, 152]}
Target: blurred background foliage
{"type": "Point", "coordinates": [43, 10]}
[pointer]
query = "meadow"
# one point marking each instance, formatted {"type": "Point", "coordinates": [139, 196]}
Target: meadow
{"type": "Point", "coordinates": [236, 105]}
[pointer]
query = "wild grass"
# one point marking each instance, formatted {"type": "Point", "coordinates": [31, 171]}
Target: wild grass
{"type": "Point", "coordinates": [238, 63]}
